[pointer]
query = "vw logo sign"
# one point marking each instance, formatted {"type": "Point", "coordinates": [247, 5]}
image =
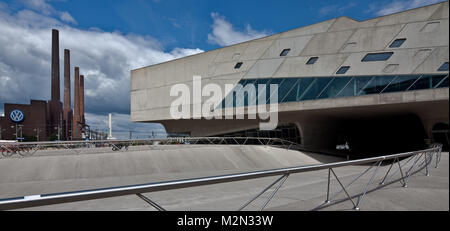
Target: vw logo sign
{"type": "Point", "coordinates": [16, 116]}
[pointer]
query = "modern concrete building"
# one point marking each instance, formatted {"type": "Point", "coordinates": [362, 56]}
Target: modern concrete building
{"type": "Point", "coordinates": [380, 85]}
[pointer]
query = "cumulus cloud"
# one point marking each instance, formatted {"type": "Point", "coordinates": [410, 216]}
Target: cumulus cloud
{"type": "Point", "coordinates": [399, 5]}
{"type": "Point", "coordinates": [104, 58]}
{"type": "Point", "coordinates": [224, 34]}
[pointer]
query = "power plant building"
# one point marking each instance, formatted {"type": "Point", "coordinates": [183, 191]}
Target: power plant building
{"type": "Point", "coordinates": [377, 83]}
{"type": "Point", "coordinates": [47, 120]}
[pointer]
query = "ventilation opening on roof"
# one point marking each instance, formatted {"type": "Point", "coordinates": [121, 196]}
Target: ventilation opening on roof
{"type": "Point", "coordinates": [312, 60]}
{"type": "Point", "coordinates": [285, 52]}
{"type": "Point", "coordinates": [343, 70]}
{"type": "Point", "coordinates": [397, 43]}
{"type": "Point", "coordinates": [429, 27]}
{"type": "Point", "coordinates": [444, 67]}
{"type": "Point", "coordinates": [238, 65]}
{"type": "Point", "coordinates": [377, 57]}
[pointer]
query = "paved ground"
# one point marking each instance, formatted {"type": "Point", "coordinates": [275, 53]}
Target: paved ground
{"type": "Point", "coordinates": [58, 172]}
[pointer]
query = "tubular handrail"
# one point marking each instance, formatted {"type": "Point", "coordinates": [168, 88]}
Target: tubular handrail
{"type": "Point", "coordinates": [27, 149]}
{"type": "Point", "coordinates": [66, 197]}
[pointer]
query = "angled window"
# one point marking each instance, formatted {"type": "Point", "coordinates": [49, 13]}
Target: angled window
{"type": "Point", "coordinates": [285, 52]}
{"type": "Point", "coordinates": [444, 67]}
{"type": "Point", "coordinates": [377, 57]}
{"type": "Point", "coordinates": [312, 60]}
{"type": "Point", "coordinates": [238, 65]}
{"type": "Point", "coordinates": [397, 43]}
{"type": "Point", "coordinates": [342, 70]}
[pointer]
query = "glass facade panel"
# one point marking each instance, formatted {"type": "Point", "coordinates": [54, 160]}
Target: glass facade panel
{"type": "Point", "coordinates": [311, 88]}
{"type": "Point", "coordinates": [438, 80]}
{"type": "Point", "coordinates": [355, 86]}
{"type": "Point", "coordinates": [376, 85]}
{"type": "Point", "coordinates": [246, 99]}
{"type": "Point", "coordinates": [279, 82]}
{"type": "Point", "coordinates": [377, 57]}
{"type": "Point", "coordinates": [257, 83]}
{"type": "Point", "coordinates": [401, 83]}
{"type": "Point", "coordinates": [285, 87]}
{"type": "Point", "coordinates": [334, 87]}
{"type": "Point", "coordinates": [295, 93]}
{"type": "Point", "coordinates": [315, 88]}
{"type": "Point", "coordinates": [424, 82]}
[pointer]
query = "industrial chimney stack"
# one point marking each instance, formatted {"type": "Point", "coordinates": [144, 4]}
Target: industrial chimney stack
{"type": "Point", "coordinates": [68, 113]}
{"type": "Point", "coordinates": [55, 107]}
{"type": "Point", "coordinates": [55, 66]}
{"type": "Point", "coordinates": [76, 115]}
{"type": "Point", "coordinates": [82, 99]}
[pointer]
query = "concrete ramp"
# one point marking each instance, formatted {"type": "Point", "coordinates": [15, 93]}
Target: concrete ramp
{"type": "Point", "coordinates": [67, 171]}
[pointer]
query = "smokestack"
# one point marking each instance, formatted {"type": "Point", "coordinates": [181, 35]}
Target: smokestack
{"type": "Point", "coordinates": [67, 94]}
{"type": "Point", "coordinates": [67, 101]}
{"type": "Point", "coordinates": [55, 66]}
{"type": "Point", "coordinates": [76, 114]}
{"type": "Point", "coordinates": [82, 98]}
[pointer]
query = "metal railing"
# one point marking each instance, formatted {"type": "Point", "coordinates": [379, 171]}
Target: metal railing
{"type": "Point", "coordinates": [401, 160]}
{"type": "Point", "coordinates": [27, 149]}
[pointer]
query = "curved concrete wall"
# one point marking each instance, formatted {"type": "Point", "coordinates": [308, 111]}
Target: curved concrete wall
{"type": "Point", "coordinates": [164, 160]}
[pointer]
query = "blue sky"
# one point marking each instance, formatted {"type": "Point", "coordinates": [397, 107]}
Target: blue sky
{"type": "Point", "coordinates": [186, 23]}
{"type": "Point", "coordinates": [108, 38]}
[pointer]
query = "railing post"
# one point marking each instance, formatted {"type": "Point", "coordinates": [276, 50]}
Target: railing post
{"type": "Point", "coordinates": [328, 188]}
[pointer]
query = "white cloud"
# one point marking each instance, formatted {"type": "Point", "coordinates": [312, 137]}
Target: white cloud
{"type": "Point", "coordinates": [399, 5]}
{"type": "Point", "coordinates": [42, 7]}
{"type": "Point", "coordinates": [105, 58]}
{"type": "Point", "coordinates": [224, 34]}
{"type": "Point", "coordinates": [39, 5]}
{"type": "Point", "coordinates": [336, 9]}
{"type": "Point", "coordinates": [66, 17]}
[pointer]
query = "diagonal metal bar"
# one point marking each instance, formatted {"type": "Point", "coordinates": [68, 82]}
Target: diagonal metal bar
{"type": "Point", "coordinates": [348, 195]}
{"type": "Point", "coordinates": [360, 199]}
{"type": "Point", "coordinates": [274, 192]}
{"type": "Point", "coordinates": [150, 202]}
{"type": "Point", "coordinates": [409, 173]}
{"type": "Point", "coordinates": [401, 172]}
{"type": "Point", "coordinates": [262, 192]}
{"type": "Point", "coordinates": [403, 165]}
{"type": "Point", "coordinates": [328, 187]}
{"type": "Point", "coordinates": [387, 173]}
{"type": "Point", "coordinates": [353, 181]}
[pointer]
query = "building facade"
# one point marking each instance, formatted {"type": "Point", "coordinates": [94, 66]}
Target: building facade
{"type": "Point", "coordinates": [377, 83]}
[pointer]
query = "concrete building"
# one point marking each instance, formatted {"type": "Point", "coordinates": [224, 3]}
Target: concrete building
{"type": "Point", "coordinates": [380, 85]}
